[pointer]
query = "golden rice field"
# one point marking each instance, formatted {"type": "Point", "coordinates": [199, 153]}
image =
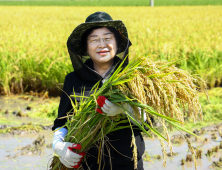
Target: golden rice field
{"type": "Point", "coordinates": [33, 54]}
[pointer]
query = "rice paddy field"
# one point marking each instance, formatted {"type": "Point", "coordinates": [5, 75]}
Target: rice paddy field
{"type": "Point", "coordinates": [33, 53]}
{"type": "Point", "coordinates": [34, 59]}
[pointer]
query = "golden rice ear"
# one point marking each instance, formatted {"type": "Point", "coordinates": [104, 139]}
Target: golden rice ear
{"type": "Point", "coordinates": [163, 148]}
{"type": "Point", "coordinates": [168, 90]}
{"type": "Point", "coordinates": [136, 113]}
{"type": "Point", "coordinates": [149, 118]}
{"type": "Point", "coordinates": [133, 144]}
{"type": "Point", "coordinates": [192, 151]}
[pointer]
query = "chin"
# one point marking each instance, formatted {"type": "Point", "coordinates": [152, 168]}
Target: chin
{"type": "Point", "coordinates": [105, 59]}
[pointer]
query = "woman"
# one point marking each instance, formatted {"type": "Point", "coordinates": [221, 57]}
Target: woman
{"type": "Point", "coordinates": [96, 48]}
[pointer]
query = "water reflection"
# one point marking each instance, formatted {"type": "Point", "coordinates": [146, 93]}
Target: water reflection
{"type": "Point", "coordinates": [174, 163]}
{"type": "Point", "coordinates": [29, 162]}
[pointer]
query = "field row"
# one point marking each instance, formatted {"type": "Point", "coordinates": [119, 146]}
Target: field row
{"type": "Point", "coordinates": [109, 2]}
{"type": "Point", "coordinates": [33, 53]}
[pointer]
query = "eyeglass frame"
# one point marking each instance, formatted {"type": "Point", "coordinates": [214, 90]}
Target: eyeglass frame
{"type": "Point", "coordinates": [96, 43]}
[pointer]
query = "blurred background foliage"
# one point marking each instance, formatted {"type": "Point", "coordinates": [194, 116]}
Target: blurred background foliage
{"type": "Point", "coordinates": [33, 53]}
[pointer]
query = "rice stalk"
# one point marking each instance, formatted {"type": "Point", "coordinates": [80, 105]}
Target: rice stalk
{"type": "Point", "coordinates": [159, 89]}
{"type": "Point", "coordinates": [192, 151]}
{"type": "Point", "coordinates": [163, 148]}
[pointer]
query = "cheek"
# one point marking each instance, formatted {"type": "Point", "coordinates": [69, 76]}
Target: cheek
{"type": "Point", "coordinates": [89, 49]}
{"type": "Point", "coordinates": [114, 48]}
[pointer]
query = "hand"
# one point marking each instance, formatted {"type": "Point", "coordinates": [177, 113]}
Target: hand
{"type": "Point", "coordinates": [110, 108]}
{"type": "Point", "coordinates": [67, 157]}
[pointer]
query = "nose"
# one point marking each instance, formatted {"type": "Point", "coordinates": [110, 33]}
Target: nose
{"type": "Point", "coordinates": [102, 43]}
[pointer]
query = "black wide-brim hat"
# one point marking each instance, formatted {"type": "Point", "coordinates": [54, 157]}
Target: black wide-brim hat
{"type": "Point", "coordinates": [98, 19]}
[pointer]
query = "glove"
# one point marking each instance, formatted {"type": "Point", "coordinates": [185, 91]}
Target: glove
{"type": "Point", "coordinates": [64, 150]}
{"type": "Point", "coordinates": [110, 108]}
{"type": "Point", "coordinates": [67, 157]}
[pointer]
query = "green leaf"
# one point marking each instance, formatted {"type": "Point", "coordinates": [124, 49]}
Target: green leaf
{"type": "Point", "coordinates": [79, 96]}
{"type": "Point", "coordinates": [151, 111]}
{"type": "Point", "coordinates": [182, 128]}
{"type": "Point", "coordinates": [155, 131]}
{"type": "Point", "coordinates": [137, 124]}
{"type": "Point", "coordinates": [121, 82]}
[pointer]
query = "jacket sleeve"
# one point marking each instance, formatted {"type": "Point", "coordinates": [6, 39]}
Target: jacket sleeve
{"type": "Point", "coordinates": [65, 106]}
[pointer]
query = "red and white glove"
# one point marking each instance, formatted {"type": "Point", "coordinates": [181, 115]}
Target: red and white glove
{"type": "Point", "coordinates": [110, 108]}
{"type": "Point", "coordinates": [67, 157]}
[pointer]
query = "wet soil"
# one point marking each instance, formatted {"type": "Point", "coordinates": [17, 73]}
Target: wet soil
{"type": "Point", "coordinates": [31, 149]}
{"type": "Point", "coordinates": [182, 159]}
{"type": "Point", "coordinates": [26, 142]}
{"type": "Point", "coordinates": [6, 130]}
{"type": "Point", "coordinates": [16, 110]}
{"type": "Point", "coordinates": [26, 151]}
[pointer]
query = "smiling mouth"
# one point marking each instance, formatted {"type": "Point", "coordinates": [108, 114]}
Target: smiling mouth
{"type": "Point", "coordinates": [103, 52]}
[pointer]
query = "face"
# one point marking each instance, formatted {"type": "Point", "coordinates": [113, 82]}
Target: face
{"type": "Point", "coordinates": [101, 46]}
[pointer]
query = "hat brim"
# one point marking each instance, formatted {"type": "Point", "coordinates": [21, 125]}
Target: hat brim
{"type": "Point", "coordinates": [76, 36]}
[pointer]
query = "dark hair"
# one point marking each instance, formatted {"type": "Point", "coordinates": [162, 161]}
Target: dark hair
{"type": "Point", "coordinates": [89, 31]}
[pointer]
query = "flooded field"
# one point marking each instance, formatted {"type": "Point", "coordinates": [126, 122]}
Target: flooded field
{"type": "Point", "coordinates": [31, 149]}
{"type": "Point", "coordinates": [14, 157]}
{"type": "Point", "coordinates": [24, 149]}
{"type": "Point", "coordinates": [181, 152]}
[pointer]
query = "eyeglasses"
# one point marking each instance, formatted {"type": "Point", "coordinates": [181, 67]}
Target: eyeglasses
{"type": "Point", "coordinates": [107, 40]}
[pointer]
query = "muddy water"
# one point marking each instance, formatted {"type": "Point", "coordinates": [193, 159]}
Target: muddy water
{"type": "Point", "coordinates": [9, 144]}
{"type": "Point", "coordinates": [29, 161]}
{"type": "Point", "coordinates": [13, 120]}
{"type": "Point", "coordinates": [8, 159]}
{"type": "Point", "coordinates": [153, 147]}
{"type": "Point", "coordinates": [13, 104]}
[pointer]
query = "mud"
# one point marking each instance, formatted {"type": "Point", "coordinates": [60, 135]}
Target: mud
{"type": "Point", "coordinates": [6, 130]}
{"type": "Point", "coordinates": [208, 152]}
{"type": "Point", "coordinates": [33, 151]}
{"type": "Point", "coordinates": [27, 143]}
{"type": "Point", "coordinates": [217, 164]}
{"type": "Point", "coordinates": [28, 151]}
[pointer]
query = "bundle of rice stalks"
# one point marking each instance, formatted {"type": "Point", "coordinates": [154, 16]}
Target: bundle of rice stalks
{"type": "Point", "coordinates": [157, 89]}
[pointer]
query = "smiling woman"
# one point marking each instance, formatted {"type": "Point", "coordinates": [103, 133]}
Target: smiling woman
{"type": "Point", "coordinates": [97, 47]}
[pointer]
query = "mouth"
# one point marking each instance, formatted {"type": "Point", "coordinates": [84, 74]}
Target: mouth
{"type": "Point", "coordinates": [103, 52]}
